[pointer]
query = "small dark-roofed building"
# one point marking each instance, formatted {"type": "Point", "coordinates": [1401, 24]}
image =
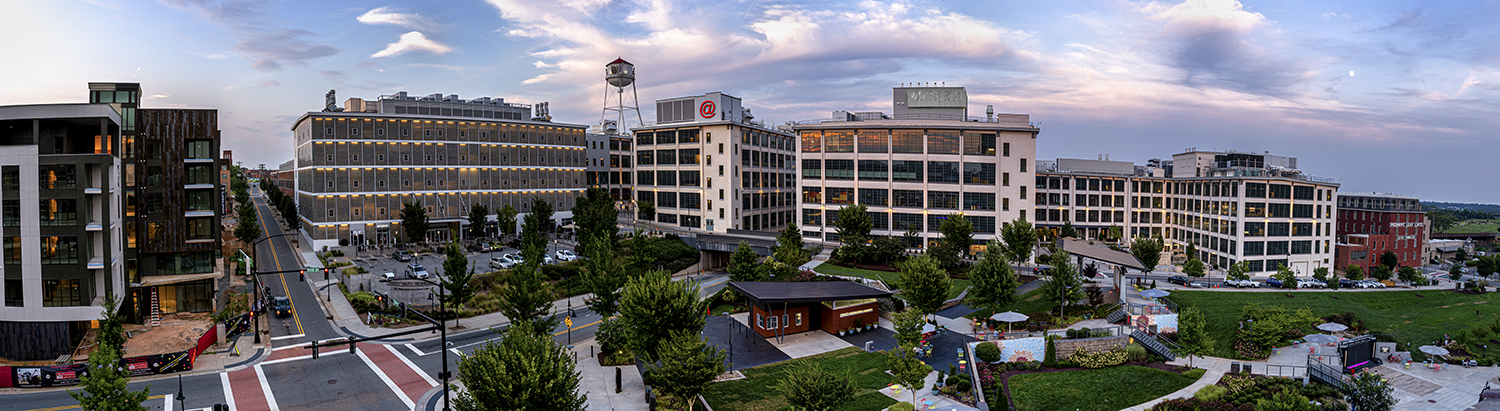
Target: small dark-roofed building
{"type": "Point", "coordinates": [781, 308]}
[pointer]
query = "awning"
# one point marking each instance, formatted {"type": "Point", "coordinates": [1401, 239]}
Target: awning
{"type": "Point", "coordinates": [1086, 250]}
{"type": "Point", "coordinates": [805, 292]}
{"type": "Point", "coordinates": [156, 280]}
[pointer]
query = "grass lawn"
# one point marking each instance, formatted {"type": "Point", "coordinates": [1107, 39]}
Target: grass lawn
{"type": "Point", "coordinates": [1402, 314]}
{"type": "Point", "coordinates": [1031, 302]}
{"type": "Point", "coordinates": [1104, 389]}
{"type": "Point", "coordinates": [1488, 227]}
{"type": "Point", "coordinates": [890, 278]}
{"type": "Point", "coordinates": [758, 390]}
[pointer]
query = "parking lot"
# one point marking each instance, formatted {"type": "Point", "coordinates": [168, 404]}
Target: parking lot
{"type": "Point", "coordinates": [433, 262]}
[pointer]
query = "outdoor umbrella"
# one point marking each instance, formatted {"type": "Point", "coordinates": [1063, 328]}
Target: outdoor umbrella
{"type": "Point", "coordinates": [1332, 327]}
{"type": "Point", "coordinates": [927, 328]}
{"type": "Point", "coordinates": [1434, 350]}
{"type": "Point", "coordinates": [1009, 317]}
{"type": "Point", "coordinates": [1320, 338]}
{"type": "Point", "coordinates": [1155, 293]}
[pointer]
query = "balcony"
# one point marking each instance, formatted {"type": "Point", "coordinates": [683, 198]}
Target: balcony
{"type": "Point", "coordinates": [96, 263]}
{"type": "Point", "coordinates": [94, 226]}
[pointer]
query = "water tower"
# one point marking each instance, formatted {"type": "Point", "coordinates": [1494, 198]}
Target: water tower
{"type": "Point", "coordinates": [620, 74]}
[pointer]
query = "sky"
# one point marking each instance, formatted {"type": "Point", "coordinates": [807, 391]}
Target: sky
{"type": "Point", "coordinates": [1397, 97]}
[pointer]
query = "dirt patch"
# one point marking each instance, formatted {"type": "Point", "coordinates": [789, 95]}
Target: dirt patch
{"type": "Point", "coordinates": [177, 332]}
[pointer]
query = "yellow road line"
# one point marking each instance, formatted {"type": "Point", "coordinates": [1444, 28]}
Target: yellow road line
{"type": "Point", "coordinates": [277, 259]}
{"type": "Point", "coordinates": [70, 407]}
{"type": "Point", "coordinates": [582, 326]}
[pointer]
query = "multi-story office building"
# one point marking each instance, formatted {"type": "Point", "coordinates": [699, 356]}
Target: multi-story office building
{"type": "Point", "coordinates": [705, 164]}
{"type": "Point", "coordinates": [1370, 224]}
{"type": "Point", "coordinates": [1232, 206]}
{"type": "Point", "coordinates": [355, 168]}
{"type": "Point", "coordinates": [59, 187]}
{"type": "Point", "coordinates": [610, 165]}
{"type": "Point", "coordinates": [172, 191]}
{"type": "Point", "coordinates": [913, 168]}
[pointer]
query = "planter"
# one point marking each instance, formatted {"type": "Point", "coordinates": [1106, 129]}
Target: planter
{"type": "Point", "coordinates": [841, 333]}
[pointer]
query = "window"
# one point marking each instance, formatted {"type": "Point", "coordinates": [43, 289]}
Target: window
{"type": "Point", "coordinates": [873, 141]}
{"type": "Point", "coordinates": [12, 213]}
{"type": "Point", "coordinates": [839, 141]}
{"type": "Point", "coordinates": [200, 149]}
{"type": "Point", "coordinates": [1301, 247]}
{"type": "Point", "coordinates": [61, 293]}
{"type": "Point", "coordinates": [691, 200]}
{"type": "Point", "coordinates": [906, 142]}
{"type": "Point", "coordinates": [666, 178]}
{"type": "Point", "coordinates": [906, 171]}
{"type": "Point", "coordinates": [979, 144]}
{"type": "Point", "coordinates": [58, 212]}
{"type": "Point", "coordinates": [979, 201]}
{"type": "Point", "coordinates": [57, 176]}
{"type": "Point", "coordinates": [1302, 229]}
{"type": "Point", "coordinates": [979, 173]}
{"type": "Point", "coordinates": [873, 170]}
{"type": "Point", "coordinates": [1302, 193]}
{"type": "Point", "coordinates": [811, 168]}
{"type": "Point", "coordinates": [839, 195]}
{"type": "Point", "coordinates": [812, 195]}
{"type": "Point", "coordinates": [688, 156]}
{"type": "Point", "coordinates": [906, 198]}
{"type": "Point", "coordinates": [12, 250]}
{"type": "Point", "coordinates": [906, 221]}
{"type": "Point", "coordinates": [666, 157]}
{"type": "Point", "coordinates": [1279, 210]}
{"type": "Point", "coordinates": [1302, 211]}
{"type": "Point", "coordinates": [982, 224]}
{"type": "Point", "coordinates": [1255, 209]}
{"type": "Point", "coordinates": [13, 295]}
{"type": "Point", "coordinates": [1023, 165]}
{"type": "Point", "coordinates": [1276, 248]}
{"type": "Point", "coordinates": [690, 178]}
{"type": "Point", "coordinates": [812, 141]}
{"type": "Point", "coordinates": [942, 199]}
{"type": "Point", "coordinates": [10, 177]}
{"type": "Point", "coordinates": [942, 142]}
{"type": "Point", "coordinates": [942, 172]}
{"type": "Point", "coordinates": [839, 169]}
{"type": "Point", "coordinates": [1007, 150]}
{"type": "Point", "coordinates": [1255, 229]}
{"type": "Point", "coordinates": [1278, 229]}
{"type": "Point", "coordinates": [60, 250]}
{"type": "Point", "coordinates": [200, 229]}
{"type": "Point", "coordinates": [645, 178]}
{"type": "Point", "coordinates": [199, 174]}
{"type": "Point", "coordinates": [874, 196]}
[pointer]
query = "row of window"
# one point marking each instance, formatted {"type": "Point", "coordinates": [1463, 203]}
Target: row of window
{"type": "Point", "coordinates": [437, 130]}
{"type": "Point", "coordinates": [50, 177]}
{"type": "Point", "coordinates": [880, 220]}
{"type": "Point", "coordinates": [55, 250]}
{"type": "Point", "coordinates": [1258, 248]}
{"type": "Point", "coordinates": [883, 170]}
{"type": "Point", "coordinates": [1196, 188]}
{"type": "Point", "coordinates": [669, 157]}
{"type": "Point", "coordinates": [55, 293]}
{"type": "Point", "coordinates": [758, 201]}
{"type": "Point", "coordinates": [903, 198]}
{"type": "Point", "coordinates": [647, 138]}
{"type": "Point", "coordinates": [903, 141]}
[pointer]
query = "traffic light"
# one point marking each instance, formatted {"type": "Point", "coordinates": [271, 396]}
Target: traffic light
{"type": "Point", "coordinates": [351, 345]}
{"type": "Point", "coordinates": [325, 273]}
{"type": "Point", "coordinates": [302, 275]}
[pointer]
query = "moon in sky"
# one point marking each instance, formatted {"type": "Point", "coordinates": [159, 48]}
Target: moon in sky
{"type": "Point", "coordinates": [1351, 73]}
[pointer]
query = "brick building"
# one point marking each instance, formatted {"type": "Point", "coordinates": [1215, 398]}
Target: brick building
{"type": "Point", "coordinates": [1370, 224]}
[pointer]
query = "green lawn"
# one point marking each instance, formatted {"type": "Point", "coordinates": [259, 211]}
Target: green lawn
{"type": "Point", "coordinates": [1487, 227]}
{"type": "Point", "coordinates": [1402, 314]}
{"type": "Point", "coordinates": [890, 278]}
{"type": "Point", "coordinates": [1031, 302]}
{"type": "Point", "coordinates": [1104, 389]}
{"type": "Point", "coordinates": [758, 390]}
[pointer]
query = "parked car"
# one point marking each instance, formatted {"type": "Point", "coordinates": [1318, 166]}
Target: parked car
{"type": "Point", "coordinates": [1272, 282]}
{"type": "Point", "coordinates": [565, 255]}
{"type": "Point", "coordinates": [546, 259]}
{"type": "Point", "coordinates": [480, 247]}
{"type": "Point", "coordinates": [415, 270]}
{"type": "Point", "coordinates": [1179, 280]}
{"type": "Point", "coordinates": [502, 262]}
{"type": "Point", "coordinates": [401, 256]}
{"type": "Point", "coordinates": [1242, 284]}
{"type": "Point", "coordinates": [1346, 283]}
{"type": "Point", "coordinates": [282, 306]}
{"type": "Point", "coordinates": [388, 276]}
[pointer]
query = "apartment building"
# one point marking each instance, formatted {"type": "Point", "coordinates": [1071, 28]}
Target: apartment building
{"type": "Point", "coordinates": [915, 167]}
{"type": "Point", "coordinates": [705, 164]}
{"type": "Point", "coordinates": [610, 165]}
{"type": "Point", "coordinates": [356, 167]}
{"type": "Point", "coordinates": [1370, 224]}
{"type": "Point", "coordinates": [1232, 206]}
{"type": "Point", "coordinates": [63, 240]}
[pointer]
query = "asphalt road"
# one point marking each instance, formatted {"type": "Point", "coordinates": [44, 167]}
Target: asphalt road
{"type": "Point", "coordinates": [307, 322]}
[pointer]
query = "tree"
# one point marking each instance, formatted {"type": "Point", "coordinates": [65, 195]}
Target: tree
{"type": "Point", "coordinates": [1321, 274]}
{"type": "Point", "coordinates": [1192, 251]}
{"type": "Point", "coordinates": [602, 277]}
{"type": "Point", "coordinates": [686, 367]}
{"type": "Point", "coordinates": [789, 246]}
{"type": "Point", "coordinates": [534, 229]}
{"type": "Point", "coordinates": [1147, 250]}
{"type": "Point", "coordinates": [1286, 276]}
{"type": "Point", "coordinates": [994, 281]}
{"type": "Point", "coordinates": [478, 216]}
{"type": "Point", "coordinates": [1380, 272]}
{"type": "Point", "coordinates": [1062, 283]}
{"type": "Point", "coordinates": [112, 324]}
{"type": "Point", "coordinates": [1068, 231]}
{"type": "Point", "coordinates": [812, 389]}
{"type": "Point", "coordinates": [104, 384]}
{"type": "Point", "coordinates": [1409, 274]}
{"type": "Point", "coordinates": [1020, 239]}
{"type": "Point", "coordinates": [289, 213]}
{"type": "Point", "coordinates": [909, 371]}
{"type": "Point", "coordinates": [1390, 260]}
{"type": "Point", "coordinates": [248, 229]}
{"type": "Point", "coordinates": [854, 224]}
{"type": "Point", "coordinates": [1369, 392]}
{"type": "Point", "coordinates": [1461, 255]}
{"type": "Point", "coordinates": [456, 276]}
{"type": "Point", "coordinates": [1354, 273]}
{"type": "Point", "coordinates": [908, 327]}
{"type": "Point", "coordinates": [924, 285]}
{"type": "Point", "coordinates": [742, 264]}
{"type": "Point", "coordinates": [595, 216]}
{"type": "Point", "coordinates": [957, 233]}
{"type": "Point", "coordinates": [1192, 334]}
{"type": "Point", "coordinates": [414, 222]}
{"type": "Point", "coordinates": [506, 219]}
{"type": "Point", "coordinates": [1193, 267]}
{"type": "Point", "coordinates": [525, 370]}
{"type": "Point", "coordinates": [647, 211]}
{"type": "Point", "coordinates": [1239, 271]}
{"type": "Point", "coordinates": [652, 307]}
{"type": "Point", "coordinates": [525, 298]}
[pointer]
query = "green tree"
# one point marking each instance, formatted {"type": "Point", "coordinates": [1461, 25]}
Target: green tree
{"type": "Point", "coordinates": [456, 276]}
{"type": "Point", "coordinates": [1286, 276]}
{"type": "Point", "coordinates": [1193, 268]}
{"type": "Point", "coordinates": [534, 231]}
{"type": "Point", "coordinates": [1354, 273]}
{"type": "Point", "coordinates": [647, 211]}
{"type": "Point", "coordinates": [1380, 272]}
{"type": "Point", "coordinates": [1456, 270]}
{"type": "Point", "coordinates": [1461, 255]}
{"type": "Point", "coordinates": [686, 367]}
{"type": "Point", "coordinates": [652, 307]}
{"type": "Point", "coordinates": [506, 219]}
{"type": "Point", "coordinates": [1390, 260]}
{"type": "Point", "coordinates": [1062, 284]}
{"type": "Point", "coordinates": [1321, 274]}
{"type": "Point", "coordinates": [994, 281]}
{"type": "Point", "coordinates": [1239, 271]}
{"type": "Point", "coordinates": [289, 213]}
{"type": "Point", "coordinates": [1369, 392]}
{"type": "Point", "coordinates": [1192, 334]}
{"type": "Point", "coordinates": [104, 385]}
{"type": "Point", "coordinates": [1285, 401]}
{"type": "Point", "coordinates": [924, 285]}
{"type": "Point", "coordinates": [909, 371]}
{"type": "Point", "coordinates": [112, 324]}
{"type": "Point", "coordinates": [595, 215]}
{"type": "Point", "coordinates": [957, 234]}
{"type": "Point", "coordinates": [1147, 250]}
{"type": "Point", "coordinates": [1409, 274]}
{"type": "Point", "coordinates": [854, 224]}
{"type": "Point", "coordinates": [525, 298]}
{"type": "Point", "coordinates": [810, 388]}
{"type": "Point", "coordinates": [525, 370]}
{"type": "Point", "coordinates": [789, 246]}
{"type": "Point", "coordinates": [1192, 251]}
{"type": "Point", "coordinates": [742, 264]}
{"type": "Point", "coordinates": [1020, 239]}
{"type": "Point", "coordinates": [908, 327]}
{"type": "Point", "coordinates": [602, 276]}
{"type": "Point", "coordinates": [414, 222]}
{"type": "Point", "coordinates": [478, 216]}
{"type": "Point", "coordinates": [1068, 231]}
{"type": "Point", "coordinates": [248, 229]}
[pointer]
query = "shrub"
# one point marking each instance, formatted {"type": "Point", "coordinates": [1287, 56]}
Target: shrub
{"type": "Point", "coordinates": [1051, 359]}
{"type": "Point", "coordinates": [1099, 359]}
{"type": "Point", "coordinates": [987, 352]}
{"type": "Point", "coordinates": [363, 302]}
{"type": "Point", "coordinates": [1195, 373]}
{"type": "Point", "coordinates": [1135, 352]}
{"type": "Point", "coordinates": [1211, 392]}
{"type": "Point", "coordinates": [901, 406]}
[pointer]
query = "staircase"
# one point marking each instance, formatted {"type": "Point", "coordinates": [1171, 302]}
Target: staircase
{"type": "Point", "coordinates": [1325, 373]}
{"type": "Point", "coordinates": [1119, 314]}
{"type": "Point", "coordinates": [155, 309]}
{"type": "Point", "coordinates": [1153, 344]}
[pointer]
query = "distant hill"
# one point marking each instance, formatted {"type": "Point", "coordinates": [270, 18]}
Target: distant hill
{"type": "Point", "coordinates": [1484, 208]}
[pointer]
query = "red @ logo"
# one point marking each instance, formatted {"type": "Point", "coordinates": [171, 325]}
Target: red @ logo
{"type": "Point", "coordinates": [706, 109]}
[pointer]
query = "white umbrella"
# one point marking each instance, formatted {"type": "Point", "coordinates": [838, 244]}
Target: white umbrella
{"type": "Point", "coordinates": [1320, 338]}
{"type": "Point", "coordinates": [1009, 317]}
{"type": "Point", "coordinates": [1332, 327]}
{"type": "Point", "coordinates": [1155, 293]}
{"type": "Point", "coordinates": [1434, 350]}
{"type": "Point", "coordinates": [927, 328]}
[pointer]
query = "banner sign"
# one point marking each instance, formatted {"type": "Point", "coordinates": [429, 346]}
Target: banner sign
{"type": "Point", "coordinates": [65, 375]}
{"type": "Point", "coordinates": [49, 376]}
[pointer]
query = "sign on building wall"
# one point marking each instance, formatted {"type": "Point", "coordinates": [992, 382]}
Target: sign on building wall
{"type": "Point", "coordinates": [955, 97]}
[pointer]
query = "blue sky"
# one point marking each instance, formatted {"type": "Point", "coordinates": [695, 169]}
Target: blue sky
{"type": "Point", "coordinates": [1399, 97]}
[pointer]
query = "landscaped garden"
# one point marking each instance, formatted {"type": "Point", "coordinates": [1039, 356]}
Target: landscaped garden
{"type": "Point", "coordinates": [866, 370]}
{"type": "Point", "coordinates": [1248, 393]}
{"type": "Point", "coordinates": [1104, 389]}
{"type": "Point", "coordinates": [1407, 317]}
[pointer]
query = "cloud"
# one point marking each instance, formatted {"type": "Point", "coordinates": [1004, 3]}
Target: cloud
{"type": "Point", "coordinates": [258, 38]}
{"type": "Point", "coordinates": [269, 83]}
{"type": "Point", "coordinates": [157, 96]}
{"type": "Point", "coordinates": [408, 20]}
{"type": "Point", "coordinates": [1212, 44]}
{"type": "Point", "coordinates": [108, 4]}
{"type": "Point", "coordinates": [412, 41]}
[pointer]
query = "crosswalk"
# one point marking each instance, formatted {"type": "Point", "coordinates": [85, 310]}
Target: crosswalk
{"type": "Point", "coordinates": [248, 388]}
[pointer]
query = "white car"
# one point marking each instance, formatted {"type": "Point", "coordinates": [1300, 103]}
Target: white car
{"type": "Point", "coordinates": [1242, 284]}
{"type": "Point", "coordinates": [503, 261]}
{"type": "Point", "coordinates": [546, 259]}
{"type": "Point", "coordinates": [566, 255]}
